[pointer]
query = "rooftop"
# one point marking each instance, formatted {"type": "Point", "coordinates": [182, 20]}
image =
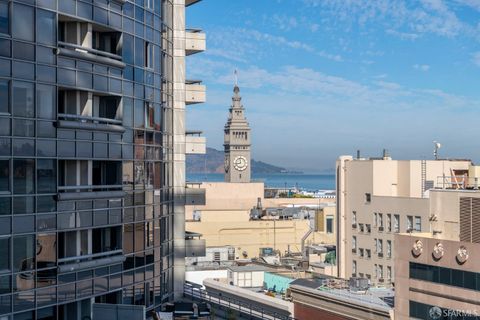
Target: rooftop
{"type": "Point", "coordinates": [249, 268]}
{"type": "Point", "coordinates": [380, 298]}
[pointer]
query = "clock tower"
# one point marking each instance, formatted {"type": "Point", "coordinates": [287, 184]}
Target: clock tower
{"type": "Point", "coordinates": [237, 142]}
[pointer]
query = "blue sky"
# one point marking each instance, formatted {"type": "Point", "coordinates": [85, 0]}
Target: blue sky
{"type": "Point", "coordinates": [323, 78]}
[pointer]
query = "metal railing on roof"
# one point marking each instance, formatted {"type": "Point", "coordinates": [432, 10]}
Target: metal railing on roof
{"type": "Point", "coordinates": [462, 182]}
{"type": "Point", "coordinates": [254, 311]}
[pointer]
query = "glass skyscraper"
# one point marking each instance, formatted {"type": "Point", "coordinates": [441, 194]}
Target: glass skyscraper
{"type": "Point", "coordinates": [86, 156]}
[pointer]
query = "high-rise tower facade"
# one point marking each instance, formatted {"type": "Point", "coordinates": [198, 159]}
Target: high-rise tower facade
{"type": "Point", "coordinates": [237, 142]}
{"type": "Point", "coordinates": [90, 134]}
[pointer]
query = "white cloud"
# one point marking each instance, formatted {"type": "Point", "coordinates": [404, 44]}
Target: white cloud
{"type": "Point", "coordinates": [243, 43]}
{"type": "Point", "coordinates": [388, 85]}
{"type": "Point", "coordinates": [421, 67]}
{"type": "Point", "coordinates": [314, 27]}
{"type": "Point", "coordinates": [283, 22]}
{"type": "Point", "coordinates": [226, 54]}
{"type": "Point", "coordinates": [470, 3]}
{"type": "Point", "coordinates": [476, 58]}
{"type": "Point", "coordinates": [403, 35]}
{"type": "Point", "coordinates": [292, 80]}
{"type": "Point", "coordinates": [403, 18]}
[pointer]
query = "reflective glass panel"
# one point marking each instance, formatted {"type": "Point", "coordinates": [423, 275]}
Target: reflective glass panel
{"type": "Point", "coordinates": [4, 17]}
{"type": "Point", "coordinates": [4, 175]}
{"type": "Point", "coordinates": [45, 101]}
{"type": "Point", "coordinates": [4, 96]}
{"type": "Point", "coordinates": [46, 176]}
{"type": "Point", "coordinates": [23, 252]}
{"type": "Point", "coordinates": [23, 176]}
{"type": "Point", "coordinates": [23, 99]}
{"type": "Point", "coordinates": [22, 22]}
{"type": "Point", "coordinates": [46, 27]}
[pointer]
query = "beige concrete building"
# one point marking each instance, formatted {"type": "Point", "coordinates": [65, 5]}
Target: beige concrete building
{"type": "Point", "coordinates": [223, 219]}
{"type": "Point", "coordinates": [377, 198]}
{"type": "Point", "coordinates": [440, 270]}
{"type": "Point", "coordinates": [440, 278]}
{"type": "Point", "coordinates": [185, 42]}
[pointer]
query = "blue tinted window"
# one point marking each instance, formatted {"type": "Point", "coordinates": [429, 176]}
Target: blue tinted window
{"type": "Point", "coordinates": [4, 175]}
{"type": "Point", "coordinates": [4, 17]}
{"type": "Point", "coordinates": [4, 96]}
{"type": "Point", "coordinates": [22, 24]}
{"type": "Point", "coordinates": [23, 99]}
{"type": "Point", "coordinates": [46, 27]}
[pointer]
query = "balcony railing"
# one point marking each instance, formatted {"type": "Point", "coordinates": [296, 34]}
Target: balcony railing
{"type": "Point", "coordinates": [79, 52]}
{"type": "Point", "coordinates": [195, 92]}
{"type": "Point", "coordinates": [194, 195]}
{"type": "Point", "coordinates": [195, 41]}
{"type": "Point", "coordinates": [73, 121]}
{"type": "Point", "coordinates": [195, 248]}
{"type": "Point", "coordinates": [90, 261]}
{"type": "Point", "coordinates": [90, 192]}
{"type": "Point", "coordinates": [195, 143]}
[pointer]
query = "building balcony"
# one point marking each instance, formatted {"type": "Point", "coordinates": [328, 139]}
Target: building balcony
{"type": "Point", "coordinates": [194, 246]}
{"type": "Point", "coordinates": [73, 121]}
{"type": "Point", "coordinates": [195, 143]}
{"type": "Point", "coordinates": [84, 110]}
{"type": "Point", "coordinates": [195, 41]}
{"type": "Point", "coordinates": [195, 195]}
{"type": "Point", "coordinates": [90, 192]}
{"type": "Point", "coordinates": [87, 180]}
{"type": "Point", "coordinates": [195, 92]}
{"type": "Point", "coordinates": [80, 52]}
{"type": "Point", "coordinates": [90, 261]}
{"type": "Point", "coordinates": [88, 40]}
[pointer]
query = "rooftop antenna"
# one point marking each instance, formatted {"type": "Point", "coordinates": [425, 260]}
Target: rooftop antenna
{"type": "Point", "coordinates": [435, 150]}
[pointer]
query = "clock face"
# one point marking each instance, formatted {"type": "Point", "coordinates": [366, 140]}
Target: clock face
{"type": "Point", "coordinates": [240, 163]}
{"type": "Point", "coordinates": [227, 164]}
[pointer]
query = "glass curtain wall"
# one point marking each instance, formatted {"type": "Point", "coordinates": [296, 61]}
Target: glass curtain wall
{"type": "Point", "coordinates": [86, 196]}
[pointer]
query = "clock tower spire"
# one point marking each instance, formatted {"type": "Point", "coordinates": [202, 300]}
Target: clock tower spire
{"type": "Point", "coordinates": [237, 141]}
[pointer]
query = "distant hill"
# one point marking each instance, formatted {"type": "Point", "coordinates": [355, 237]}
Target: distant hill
{"type": "Point", "coordinates": [213, 162]}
